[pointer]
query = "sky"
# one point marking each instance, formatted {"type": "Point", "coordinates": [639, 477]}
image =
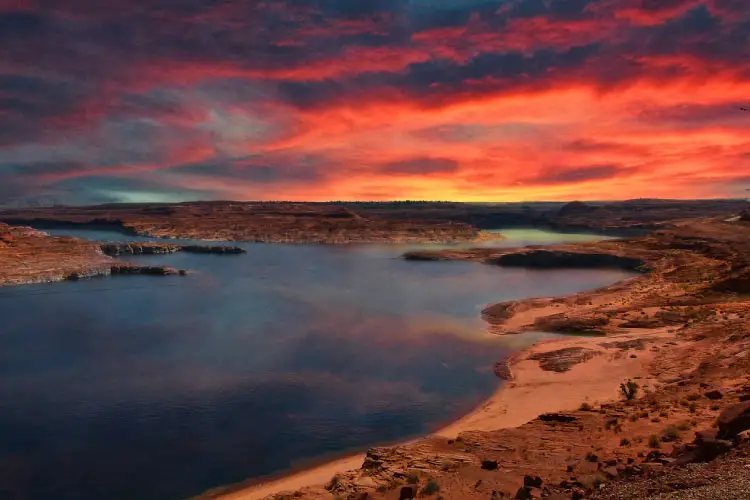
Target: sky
{"type": "Point", "coordinates": [466, 100]}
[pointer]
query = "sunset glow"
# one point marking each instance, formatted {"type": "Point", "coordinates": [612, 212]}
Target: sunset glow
{"type": "Point", "coordinates": [466, 100]}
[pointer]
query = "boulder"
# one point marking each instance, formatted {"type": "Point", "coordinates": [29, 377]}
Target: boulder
{"type": "Point", "coordinates": [532, 481]}
{"type": "Point", "coordinates": [734, 420]}
{"type": "Point", "coordinates": [715, 394]}
{"type": "Point", "coordinates": [525, 493]}
{"type": "Point", "coordinates": [704, 448]}
{"type": "Point", "coordinates": [611, 472]}
{"type": "Point", "coordinates": [489, 464]}
{"type": "Point", "coordinates": [711, 448]}
{"type": "Point", "coordinates": [706, 435]}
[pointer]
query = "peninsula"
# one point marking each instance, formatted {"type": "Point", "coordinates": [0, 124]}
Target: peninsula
{"type": "Point", "coordinates": [31, 256]}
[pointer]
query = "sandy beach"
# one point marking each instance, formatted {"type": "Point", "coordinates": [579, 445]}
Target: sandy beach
{"type": "Point", "coordinates": [533, 391]}
{"type": "Point", "coordinates": [674, 332]}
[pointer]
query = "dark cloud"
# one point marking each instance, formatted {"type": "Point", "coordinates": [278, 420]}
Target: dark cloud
{"type": "Point", "coordinates": [696, 115]}
{"type": "Point", "coordinates": [564, 175]}
{"type": "Point", "coordinates": [420, 166]}
{"type": "Point", "coordinates": [437, 81]}
{"type": "Point", "coordinates": [259, 170]}
{"type": "Point", "coordinates": [90, 86]}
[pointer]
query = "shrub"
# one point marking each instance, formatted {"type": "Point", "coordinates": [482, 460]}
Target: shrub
{"type": "Point", "coordinates": [333, 483]}
{"type": "Point", "coordinates": [683, 426]}
{"type": "Point", "coordinates": [624, 442]}
{"type": "Point", "coordinates": [411, 477]}
{"type": "Point", "coordinates": [671, 433]}
{"type": "Point", "coordinates": [629, 389]}
{"type": "Point", "coordinates": [585, 406]}
{"type": "Point", "coordinates": [654, 441]}
{"type": "Point", "coordinates": [431, 487]}
{"type": "Point", "coordinates": [611, 423]}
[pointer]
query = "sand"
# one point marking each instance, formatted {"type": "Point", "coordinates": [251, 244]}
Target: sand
{"type": "Point", "coordinates": [532, 392]}
{"type": "Point", "coordinates": [312, 477]}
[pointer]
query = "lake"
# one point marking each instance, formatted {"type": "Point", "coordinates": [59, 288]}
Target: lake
{"type": "Point", "coordinates": [139, 387]}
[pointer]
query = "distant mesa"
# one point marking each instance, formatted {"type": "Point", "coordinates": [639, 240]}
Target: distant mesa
{"type": "Point", "coordinates": [574, 208]}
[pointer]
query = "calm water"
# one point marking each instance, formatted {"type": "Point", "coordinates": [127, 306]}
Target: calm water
{"type": "Point", "coordinates": [159, 388]}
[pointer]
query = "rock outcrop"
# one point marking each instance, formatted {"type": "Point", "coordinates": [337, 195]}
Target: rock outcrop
{"type": "Point", "coordinates": [563, 360]}
{"type": "Point", "coordinates": [546, 259]}
{"type": "Point", "coordinates": [31, 256]}
{"type": "Point", "coordinates": [152, 248]}
{"type": "Point", "coordinates": [734, 420]}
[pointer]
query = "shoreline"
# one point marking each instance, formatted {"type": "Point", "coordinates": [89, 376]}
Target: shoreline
{"type": "Point", "coordinates": [531, 392]}
{"type": "Point", "coordinates": [633, 319]}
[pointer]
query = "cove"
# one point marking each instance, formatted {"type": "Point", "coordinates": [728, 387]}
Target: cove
{"type": "Point", "coordinates": [147, 388]}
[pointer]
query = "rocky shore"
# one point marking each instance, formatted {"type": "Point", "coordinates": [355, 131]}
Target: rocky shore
{"type": "Point", "coordinates": [30, 256]}
{"type": "Point", "coordinates": [653, 403]}
{"type": "Point", "coordinates": [152, 248]}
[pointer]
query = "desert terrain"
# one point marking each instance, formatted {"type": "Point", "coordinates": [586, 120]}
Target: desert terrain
{"type": "Point", "coordinates": [362, 222]}
{"type": "Point", "coordinates": [260, 222]}
{"type": "Point", "coordinates": [649, 397]}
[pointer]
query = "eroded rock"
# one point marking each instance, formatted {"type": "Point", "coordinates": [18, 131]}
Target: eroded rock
{"type": "Point", "coordinates": [563, 360]}
{"type": "Point", "coordinates": [734, 420]}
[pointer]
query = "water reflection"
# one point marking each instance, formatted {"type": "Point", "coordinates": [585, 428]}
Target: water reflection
{"type": "Point", "coordinates": [146, 387]}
